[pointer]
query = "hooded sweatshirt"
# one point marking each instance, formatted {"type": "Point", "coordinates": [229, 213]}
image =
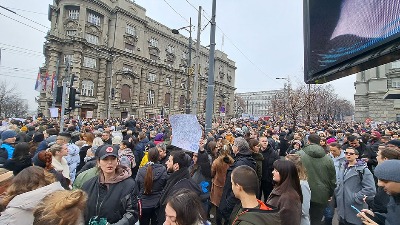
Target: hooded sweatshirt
{"type": "Point", "coordinates": [19, 210]}
{"type": "Point", "coordinates": [264, 214]}
{"type": "Point", "coordinates": [338, 161]}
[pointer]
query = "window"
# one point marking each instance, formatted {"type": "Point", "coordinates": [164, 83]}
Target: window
{"type": "Point", "coordinates": [127, 68]}
{"type": "Point", "coordinates": [181, 102]}
{"type": "Point", "coordinates": [130, 30]}
{"type": "Point", "coordinates": [167, 99]}
{"type": "Point", "coordinates": [89, 62]}
{"type": "Point", "coordinates": [152, 77]}
{"type": "Point", "coordinates": [170, 49]}
{"type": "Point", "coordinates": [68, 58]}
{"type": "Point", "coordinates": [94, 19]}
{"type": "Point", "coordinates": [150, 97]}
{"type": "Point", "coordinates": [87, 88]}
{"type": "Point", "coordinates": [153, 42]}
{"type": "Point", "coordinates": [168, 81]}
{"type": "Point", "coordinates": [71, 32]}
{"type": "Point", "coordinates": [129, 48]}
{"type": "Point", "coordinates": [395, 83]}
{"type": "Point", "coordinates": [396, 64]}
{"type": "Point", "coordinates": [73, 14]}
{"type": "Point", "coordinates": [125, 93]}
{"type": "Point", "coordinates": [92, 39]}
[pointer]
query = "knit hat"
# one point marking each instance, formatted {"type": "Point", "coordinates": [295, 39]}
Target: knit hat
{"type": "Point", "coordinates": [159, 137]}
{"type": "Point", "coordinates": [38, 137]}
{"type": "Point", "coordinates": [376, 134]}
{"type": "Point", "coordinates": [395, 142]}
{"type": "Point", "coordinates": [388, 170]}
{"type": "Point", "coordinates": [24, 129]}
{"type": "Point", "coordinates": [8, 134]}
{"type": "Point", "coordinates": [330, 140]}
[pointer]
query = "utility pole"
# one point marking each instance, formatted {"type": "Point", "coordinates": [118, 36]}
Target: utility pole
{"type": "Point", "coordinates": [189, 73]}
{"type": "Point", "coordinates": [197, 66]}
{"type": "Point", "coordinates": [64, 92]}
{"type": "Point", "coordinates": [55, 81]}
{"type": "Point", "coordinates": [211, 70]}
{"type": "Point", "coordinates": [111, 86]}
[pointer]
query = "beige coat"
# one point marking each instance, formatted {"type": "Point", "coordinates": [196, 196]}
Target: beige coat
{"type": "Point", "coordinates": [218, 172]}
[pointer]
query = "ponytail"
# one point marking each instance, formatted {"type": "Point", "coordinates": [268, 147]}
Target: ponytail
{"type": "Point", "coordinates": [148, 179]}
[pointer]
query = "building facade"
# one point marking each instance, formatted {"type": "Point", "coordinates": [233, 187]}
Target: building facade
{"type": "Point", "coordinates": [257, 103]}
{"type": "Point", "coordinates": [371, 87]}
{"type": "Point", "coordinates": [127, 63]}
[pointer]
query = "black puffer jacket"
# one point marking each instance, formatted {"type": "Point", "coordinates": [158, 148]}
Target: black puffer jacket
{"type": "Point", "coordinates": [116, 201]}
{"type": "Point", "coordinates": [159, 180]}
{"type": "Point", "coordinates": [228, 199]}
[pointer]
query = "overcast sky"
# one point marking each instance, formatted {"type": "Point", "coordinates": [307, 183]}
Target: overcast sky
{"type": "Point", "coordinates": [264, 38]}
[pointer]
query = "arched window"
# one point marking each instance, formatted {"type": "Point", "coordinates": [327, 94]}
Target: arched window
{"type": "Point", "coordinates": [125, 93]}
{"type": "Point", "coordinates": [87, 88]}
{"type": "Point", "coordinates": [167, 99]}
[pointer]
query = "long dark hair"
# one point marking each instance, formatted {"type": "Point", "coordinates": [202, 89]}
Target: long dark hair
{"type": "Point", "coordinates": [148, 179]}
{"type": "Point", "coordinates": [21, 151]}
{"type": "Point", "coordinates": [188, 207]}
{"type": "Point", "coordinates": [289, 176]}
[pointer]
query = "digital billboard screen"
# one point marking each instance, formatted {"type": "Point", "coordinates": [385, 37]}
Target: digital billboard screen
{"type": "Point", "coordinates": [342, 37]}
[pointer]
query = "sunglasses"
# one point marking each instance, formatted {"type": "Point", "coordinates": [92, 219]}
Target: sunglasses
{"type": "Point", "coordinates": [349, 153]}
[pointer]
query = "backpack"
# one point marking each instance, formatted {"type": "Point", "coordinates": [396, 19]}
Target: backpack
{"type": "Point", "coordinates": [361, 173]}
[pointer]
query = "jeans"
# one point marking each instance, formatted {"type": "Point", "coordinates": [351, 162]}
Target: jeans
{"type": "Point", "coordinates": [329, 211]}
{"type": "Point", "coordinates": [148, 214]}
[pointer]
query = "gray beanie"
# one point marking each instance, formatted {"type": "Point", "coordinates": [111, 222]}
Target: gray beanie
{"type": "Point", "coordinates": [388, 170]}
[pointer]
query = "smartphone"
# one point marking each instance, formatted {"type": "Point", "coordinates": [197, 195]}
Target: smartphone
{"type": "Point", "coordinates": [358, 211]}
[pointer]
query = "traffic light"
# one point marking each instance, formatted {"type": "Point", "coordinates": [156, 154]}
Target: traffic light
{"type": "Point", "coordinates": [74, 98]}
{"type": "Point", "coordinates": [59, 94]}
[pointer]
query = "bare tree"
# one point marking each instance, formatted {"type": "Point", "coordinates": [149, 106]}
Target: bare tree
{"type": "Point", "coordinates": [11, 103]}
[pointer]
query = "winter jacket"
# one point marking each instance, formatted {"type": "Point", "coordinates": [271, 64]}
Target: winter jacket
{"type": "Point", "coordinates": [289, 204]}
{"type": "Point", "coordinates": [9, 149]}
{"type": "Point", "coordinates": [139, 150]}
{"type": "Point", "coordinates": [19, 210]}
{"type": "Point", "coordinates": [84, 176]}
{"type": "Point", "coordinates": [270, 156]}
{"type": "Point", "coordinates": [321, 173]}
{"type": "Point", "coordinates": [159, 179]}
{"type": "Point", "coordinates": [45, 144]}
{"type": "Point", "coordinates": [338, 161]}
{"type": "Point", "coordinates": [17, 165]}
{"type": "Point", "coordinates": [228, 199]}
{"type": "Point", "coordinates": [264, 214]}
{"type": "Point", "coordinates": [219, 169]}
{"type": "Point", "coordinates": [258, 157]}
{"type": "Point", "coordinates": [354, 183]}
{"type": "Point", "coordinates": [82, 155]}
{"type": "Point", "coordinates": [178, 180]}
{"type": "Point", "coordinates": [305, 206]}
{"type": "Point", "coordinates": [379, 202]}
{"type": "Point", "coordinates": [73, 159]}
{"type": "Point", "coordinates": [115, 200]}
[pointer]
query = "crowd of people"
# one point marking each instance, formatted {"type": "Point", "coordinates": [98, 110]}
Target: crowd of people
{"type": "Point", "coordinates": [124, 172]}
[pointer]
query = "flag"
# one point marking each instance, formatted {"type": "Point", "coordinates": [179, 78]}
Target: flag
{"type": "Point", "coordinates": [38, 84]}
{"type": "Point", "coordinates": [46, 79]}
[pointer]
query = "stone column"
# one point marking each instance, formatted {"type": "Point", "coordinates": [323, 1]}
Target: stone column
{"type": "Point", "coordinates": [101, 89]}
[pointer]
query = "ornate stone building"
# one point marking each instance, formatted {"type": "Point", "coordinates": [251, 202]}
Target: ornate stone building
{"type": "Point", "coordinates": [127, 63]}
{"type": "Point", "coordinates": [372, 87]}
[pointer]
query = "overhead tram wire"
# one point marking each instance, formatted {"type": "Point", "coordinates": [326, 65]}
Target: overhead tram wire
{"type": "Point", "coordinates": [29, 50]}
{"type": "Point", "coordinates": [23, 23]}
{"type": "Point", "coordinates": [176, 12]}
{"type": "Point", "coordinates": [23, 10]}
{"type": "Point", "coordinates": [5, 75]}
{"type": "Point", "coordinates": [230, 40]}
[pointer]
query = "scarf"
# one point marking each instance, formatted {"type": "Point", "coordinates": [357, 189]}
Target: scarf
{"type": "Point", "coordinates": [175, 178]}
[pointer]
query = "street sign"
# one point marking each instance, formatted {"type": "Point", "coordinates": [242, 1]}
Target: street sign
{"type": "Point", "coordinates": [222, 114]}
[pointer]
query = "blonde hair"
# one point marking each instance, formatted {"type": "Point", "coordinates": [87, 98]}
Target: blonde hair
{"type": "Point", "coordinates": [61, 208]}
{"type": "Point", "coordinates": [55, 148]}
{"type": "Point", "coordinates": [29, 179]}
{"type": "Point", "coordinates": [301, 170]}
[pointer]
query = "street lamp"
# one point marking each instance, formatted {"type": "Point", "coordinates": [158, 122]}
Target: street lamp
{"type": "Point", "coordinates": [288, 90]}
{"type": "Point", "coordinates": [188, 71]}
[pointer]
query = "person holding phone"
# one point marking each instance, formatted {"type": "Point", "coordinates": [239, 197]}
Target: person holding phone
{"type": "Point", "coordinates": [354, 182]}
{"type": "Point", "coordinates": [388, 176]}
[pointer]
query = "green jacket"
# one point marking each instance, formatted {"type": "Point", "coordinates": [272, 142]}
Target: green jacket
{"type": "Point", "coordinates": [320, 171]}
{"type": "Point", "coordinates": [265, 215]}
{"type": "Point", "coordinates": [84, 176]}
